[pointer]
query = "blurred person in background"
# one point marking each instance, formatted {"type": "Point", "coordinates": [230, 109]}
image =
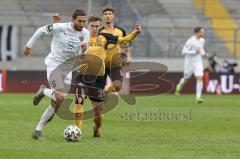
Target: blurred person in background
{"type": "Point", "coordinates": [117, 55]}
{"type": "Point", "coordinates": [193, 64]}
{"type": "Point", "coordinates": [228, 68]}
{"type": "Point", "coordinates": [212, 60]}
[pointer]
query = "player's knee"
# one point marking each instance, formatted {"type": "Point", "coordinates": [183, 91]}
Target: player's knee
{"type": "Point", "coordinates": [97, 104]}
{"type": "Point", "coordinates": [60, 97]}
{"type": "Point", "coordinates": [117, 85]}
{"type": "Point", "coordinates": [186, 81]}
{"type": "Point", "coordinates": [53, 104]}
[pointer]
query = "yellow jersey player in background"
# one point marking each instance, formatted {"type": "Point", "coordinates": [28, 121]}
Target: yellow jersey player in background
{"type": "Point", "coordinates": [114, 60]}
{"type": "Point", "coordinates": [92, 70]}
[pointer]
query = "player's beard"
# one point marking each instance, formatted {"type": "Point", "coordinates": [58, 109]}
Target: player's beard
{"type": "Point", "coordinates": [78, 28]}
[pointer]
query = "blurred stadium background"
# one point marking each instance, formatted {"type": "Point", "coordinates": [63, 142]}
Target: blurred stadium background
{"type": "Point", "coordinates": [166, 26]}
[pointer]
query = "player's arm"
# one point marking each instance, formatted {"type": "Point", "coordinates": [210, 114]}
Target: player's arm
{"type": "Point", "coordinates": [203, 52]}
{"type": "Point", "coordinates": [127, 51]}
{"type": "Point", "coordinates": [85, 42]}
{"type": "Point", "coordinates": [131, 36]}
{"type": "Point", "coordinates": [56, 18]}
{"type": "Point", "coordinates": [47, 29]}
{"type": "Point", "coordinates": [118, 40]}
{"type": "Point", "coordinates": [126, 48]}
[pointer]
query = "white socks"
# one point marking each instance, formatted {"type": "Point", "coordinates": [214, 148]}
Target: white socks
{"type": "Point", "coordinates": [199, 88]}
{"type": "Point", "coordinates": [49, 93]}
{"type": "Point", "coordinates": [46, 116]}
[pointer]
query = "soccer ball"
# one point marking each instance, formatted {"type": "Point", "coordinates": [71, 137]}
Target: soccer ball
{"type": "Point", "coordinates": [72, 134]}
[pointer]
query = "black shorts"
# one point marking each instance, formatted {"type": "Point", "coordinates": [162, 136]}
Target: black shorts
{"type": "Point", "coordinates": [93, 86]}
{"type": "Point", "coordinates": [115, 74]}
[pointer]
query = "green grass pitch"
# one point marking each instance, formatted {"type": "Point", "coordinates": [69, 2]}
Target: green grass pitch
{"type": "Point", "coordinates": [157, 127]}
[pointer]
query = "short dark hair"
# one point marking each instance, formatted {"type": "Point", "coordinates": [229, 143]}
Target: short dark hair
{"type": "Point", "coordinates": [108, 8]}
{"type": "Point", "coordinates": [197, 29]}
{"type": "Point", "coordinates": [94, 18]}
{"type": "Point", "coordinates": [78, 12]}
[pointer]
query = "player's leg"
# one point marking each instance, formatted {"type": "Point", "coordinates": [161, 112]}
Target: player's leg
{"type": "Point", "coordinates": [188, 70]}
{"type": "Point", "coordinates": [117, 79]}
{"type": "Point", "coordinates": [46, 117]}
{"type": "Point", "coordinates": [44, 91]}
{"type": "Point", "coordinates": [78, 108]}
{"type": "Point", "coordinates": [180, 85]}
{"type": "Point", "coordinates": [89, 84]}
{"type": "Point", "coordinates": [78, 113]}
{"type": "Point", "coordinates": [109, 88]}
{"type": "Point", "coordinates": [48, 114]}
{"type": "Point", "coordinates": [198, 72]}
{"type": "Point", "coordinates": [39, 95]}
{"type": "Point", "coordinates": [60, 83]}
{"type": "Point", "coordinates": [97, 96]}
{"type": "Point", "coordinates": [56, 82]}
{"type": "Point", "coordinates": [57, 89]}
{"type": "Point", "coordinates": [199, 88]}
{"type": "Point", "coordinates": [98, 117]}
{"type": "Point", "coordinates": [115, 86]}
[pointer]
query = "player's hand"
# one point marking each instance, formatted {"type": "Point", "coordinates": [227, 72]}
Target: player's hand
{"type": "Point", "coordinates": [198, 50]}
{"type": "Point", "coordinates": [138, 29]}
{"type": "Point", "coordinates": [206, 55]}
{"type": "Point", "coordinates": [84, 48]}
{"type": "Point", "coordinates": [57, 17]}
{"type": "Point", "coordinates": [26, 51]}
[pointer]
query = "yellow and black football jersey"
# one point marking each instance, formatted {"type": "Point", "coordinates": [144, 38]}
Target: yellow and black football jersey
{"type": "Point", "coordinates": [113, 58]}
{"type": "Point", "coordinates": [93, 62]}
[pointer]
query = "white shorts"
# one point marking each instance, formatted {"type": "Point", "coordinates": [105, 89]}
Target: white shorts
{"type": "Point", "coordinates": [190, 68]}
{"type": "Point", "coordinates": [59, 75]}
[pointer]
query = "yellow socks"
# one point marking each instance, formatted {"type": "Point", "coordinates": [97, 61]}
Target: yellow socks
{"type": "Point", "coordinates": [78, 115]}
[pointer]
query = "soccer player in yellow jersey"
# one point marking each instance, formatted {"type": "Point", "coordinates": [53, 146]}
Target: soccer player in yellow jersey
{"type": "Point", "coordinates": [114, 52]}
{"type": "Point", "coordinates": [97, 48]}
{"type": "Point", "coordinates": [92, 70]}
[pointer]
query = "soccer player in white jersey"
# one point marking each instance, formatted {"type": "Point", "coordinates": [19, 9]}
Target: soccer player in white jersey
{"type": "Point", "coordinates": [68, 40]}
{"type": "Point", "coordinates": [193, 51]}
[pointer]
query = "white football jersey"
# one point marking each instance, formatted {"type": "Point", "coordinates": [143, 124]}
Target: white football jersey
{"type": "Point", "coordinates": [66, 41]}
{"type": "Point", "coordinates": [189, 50]}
